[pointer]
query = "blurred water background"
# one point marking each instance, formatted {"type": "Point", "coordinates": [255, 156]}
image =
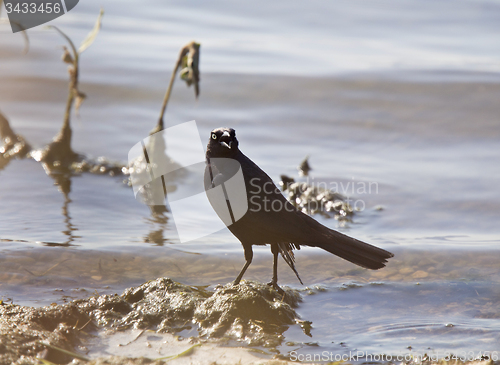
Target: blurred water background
{"type": "Point", "coordinates": [401, 96]}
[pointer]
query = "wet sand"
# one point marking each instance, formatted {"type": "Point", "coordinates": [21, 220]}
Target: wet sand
{"type": "Point", "coordinates": [39, 276]}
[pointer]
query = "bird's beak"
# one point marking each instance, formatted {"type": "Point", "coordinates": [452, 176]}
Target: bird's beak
{"type": "Point", "coordinates": [223, 143]}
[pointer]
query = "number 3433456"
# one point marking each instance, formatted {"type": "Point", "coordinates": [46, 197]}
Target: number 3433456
{"type": "Point", "coordinates": [33, 8]}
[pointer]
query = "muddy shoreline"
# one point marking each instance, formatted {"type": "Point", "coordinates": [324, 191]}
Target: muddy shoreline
{"type": "Point", "coordinates": [251, 314]}
{"type": "Point", "coordinates": [155, 316]}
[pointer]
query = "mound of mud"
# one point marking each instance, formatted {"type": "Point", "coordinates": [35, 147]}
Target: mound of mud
{"type": "Point", "coordinates": [252, 313]}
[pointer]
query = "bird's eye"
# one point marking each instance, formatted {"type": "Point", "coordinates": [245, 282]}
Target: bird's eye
{"type": "Point", "coordinates": [214, 136]}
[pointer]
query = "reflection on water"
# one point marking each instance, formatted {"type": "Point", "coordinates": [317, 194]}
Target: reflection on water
{"type": "Point", "coordinates": [158, 223]}
{"type": "Point", "coordinates": [63, 182]}
{"type": "Point", "coordinates": [61, 163]}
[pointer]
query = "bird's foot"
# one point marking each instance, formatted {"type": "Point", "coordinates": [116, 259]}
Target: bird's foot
{"type": "Point", "coordinates": [276, 287]}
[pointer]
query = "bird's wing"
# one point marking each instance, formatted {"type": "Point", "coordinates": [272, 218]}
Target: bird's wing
{"type": "Point", "coordinates": [289, 225]}
{"type": "Point", "coordinates": [271, 218]}
{"type": "Point", "coordinates": [270, 213]}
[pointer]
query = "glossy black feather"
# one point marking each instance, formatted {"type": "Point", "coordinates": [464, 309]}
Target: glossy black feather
{"type": "Point", "coordinates": [271, 219]}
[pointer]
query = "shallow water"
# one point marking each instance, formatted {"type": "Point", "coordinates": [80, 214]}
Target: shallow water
{"type": "Point", "coordinates": [410, 133]}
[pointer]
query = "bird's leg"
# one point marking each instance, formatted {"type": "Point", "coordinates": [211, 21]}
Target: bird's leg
{"type": "Point", "coordinates": [275, 251]}
{"type": "Point", "coordinates": [274, 283]}
{"type": "Point", "coordinates": [248, 258]}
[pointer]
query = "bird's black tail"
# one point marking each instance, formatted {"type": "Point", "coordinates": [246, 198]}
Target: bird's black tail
{"type": "Point", "coordinates": [353, 250]}
{"type": "Point", "coordinates": [350, 249]}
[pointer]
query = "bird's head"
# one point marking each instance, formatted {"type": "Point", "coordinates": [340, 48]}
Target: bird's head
{"type": "Point", "coordinates": [222, 143]}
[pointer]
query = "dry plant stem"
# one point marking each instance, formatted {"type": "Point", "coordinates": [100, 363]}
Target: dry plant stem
{"type": "Point", "coordinates": [75, 96]}
{"type": "Point", "coordinates": [71, 97]}
{"type": "Point", "coordinates": [73, 83]}
{"type": "Point", "coordinates": [190, 48]}
{"type": "Point", "coordinates": [73, 89]}
{"type": "Point", "coordinates": [183, 52]}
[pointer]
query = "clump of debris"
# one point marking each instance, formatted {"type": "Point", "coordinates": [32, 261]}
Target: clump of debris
{"type": "Point", "coordinates": [311, 199]}
{"type": "Point", "coordinates": [252, 313]}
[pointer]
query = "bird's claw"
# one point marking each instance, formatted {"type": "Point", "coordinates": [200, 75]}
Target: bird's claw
{"type": "Point", "coordinates": [276, 287]}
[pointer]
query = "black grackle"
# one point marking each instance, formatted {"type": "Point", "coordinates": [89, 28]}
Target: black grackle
{"type": "Point", "coordinates": [271, 219]}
